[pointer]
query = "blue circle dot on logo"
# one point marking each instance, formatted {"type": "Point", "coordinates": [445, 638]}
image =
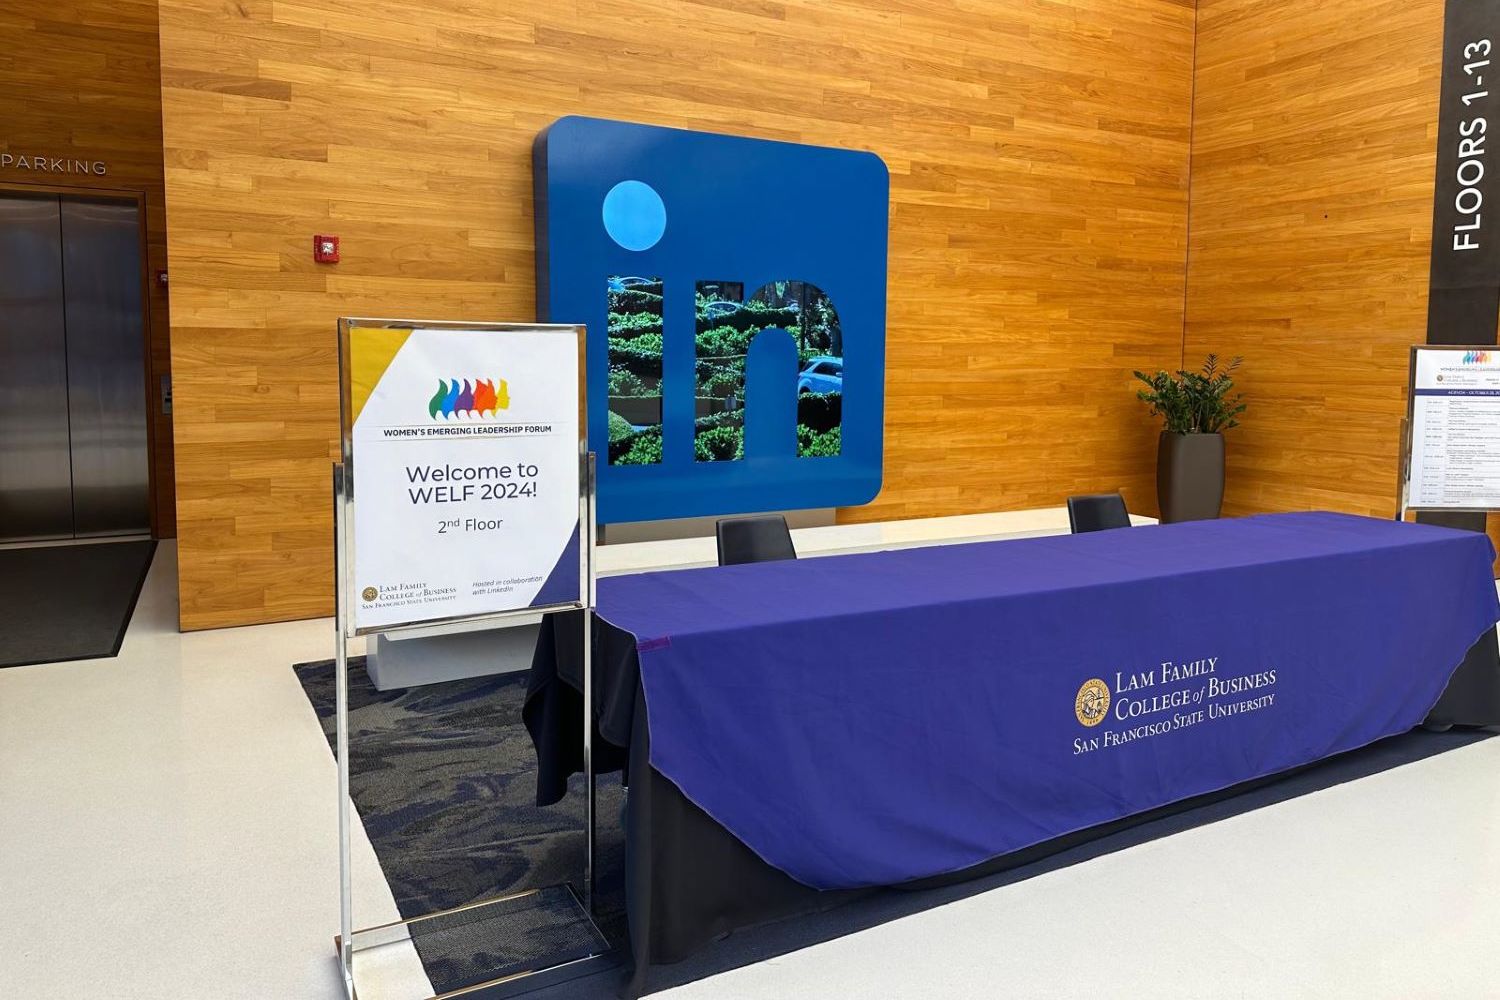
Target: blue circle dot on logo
{"type": "Point", "coordinates": [634, 215]}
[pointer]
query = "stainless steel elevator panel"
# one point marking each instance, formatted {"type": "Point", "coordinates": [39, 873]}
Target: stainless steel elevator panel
{"type": "Point", "coordinates": [101, 250]}
{"type": "Point", "coordinates": [35, 478]}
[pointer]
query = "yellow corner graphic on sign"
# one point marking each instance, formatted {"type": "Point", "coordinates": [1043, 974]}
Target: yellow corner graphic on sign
{"type": "Point", "coordinates": [371, 351]}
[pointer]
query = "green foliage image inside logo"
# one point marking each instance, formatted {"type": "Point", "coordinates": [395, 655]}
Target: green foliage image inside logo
{"type": "Point", "coordinates": [726, 325]}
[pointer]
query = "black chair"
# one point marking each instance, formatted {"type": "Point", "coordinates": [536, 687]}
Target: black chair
{"type": "Point", "coordinates": [764, 538]}
{"type": "Point", "coordinates": [1097, 512]}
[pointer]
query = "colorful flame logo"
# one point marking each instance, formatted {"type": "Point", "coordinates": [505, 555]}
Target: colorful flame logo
{"type": "Point", "coordinates": [1476, 357]}
{"type": "Point", "coordinates": [477, 398]}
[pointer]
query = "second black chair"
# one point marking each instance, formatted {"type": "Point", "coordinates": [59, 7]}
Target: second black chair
{"type": "Point", "coordinates": [763, 538]}
{"type": "Point", "coordinates": [1097, 512]}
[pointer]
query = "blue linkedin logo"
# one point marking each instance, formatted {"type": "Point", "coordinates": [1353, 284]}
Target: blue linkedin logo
{"type": "Point", "coordinates": [734, 293]}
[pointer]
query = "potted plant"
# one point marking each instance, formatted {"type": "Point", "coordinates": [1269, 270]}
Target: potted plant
{"type": "Point", "coordinates": [1197, 409]}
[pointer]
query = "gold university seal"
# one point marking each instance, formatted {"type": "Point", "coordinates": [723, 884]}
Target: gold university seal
{"type": "Point", "coordinates": [1092, 703]}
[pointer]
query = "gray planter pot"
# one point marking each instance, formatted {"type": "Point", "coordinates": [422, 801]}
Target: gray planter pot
{"type": "Point", "coordinates": [1189, 476]}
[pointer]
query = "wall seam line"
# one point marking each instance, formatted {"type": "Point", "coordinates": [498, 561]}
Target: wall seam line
{"type": "Point", "coordinates": [1187, 231]}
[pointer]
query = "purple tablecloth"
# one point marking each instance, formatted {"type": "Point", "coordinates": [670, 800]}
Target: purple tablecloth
{"type": "Point", "coordinates": [871, 719]}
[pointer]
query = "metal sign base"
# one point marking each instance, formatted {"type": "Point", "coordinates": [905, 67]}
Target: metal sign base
{"type": "Point", "coordinates": [591, 956]}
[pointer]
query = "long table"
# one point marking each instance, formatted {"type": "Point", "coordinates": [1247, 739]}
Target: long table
{"type": "Point", "coordinates": [820, 727]}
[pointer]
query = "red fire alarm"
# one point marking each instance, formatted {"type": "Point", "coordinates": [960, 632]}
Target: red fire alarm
{"type": "Point", "coordinates": [326, 249]}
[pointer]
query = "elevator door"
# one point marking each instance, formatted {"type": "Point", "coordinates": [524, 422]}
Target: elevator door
{"type": "Point", "coordinates": [73, 444]}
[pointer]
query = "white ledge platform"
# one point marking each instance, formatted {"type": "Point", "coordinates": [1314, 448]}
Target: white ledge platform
{"type": "Point", "coordinates": [842, 539]}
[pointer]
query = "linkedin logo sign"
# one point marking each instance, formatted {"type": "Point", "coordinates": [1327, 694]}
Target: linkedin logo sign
{"type": "Point", "coordinates": [734, 294]}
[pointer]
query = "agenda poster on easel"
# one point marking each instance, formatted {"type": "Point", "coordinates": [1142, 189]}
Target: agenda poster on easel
{"type": "Point", "coordinates": [1453, 420]}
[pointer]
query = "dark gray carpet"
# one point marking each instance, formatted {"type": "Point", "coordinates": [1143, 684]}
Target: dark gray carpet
{"type": "Point", "coordinates": [68, 602]}
{"type": "Point", "coordinates": [444, 779]}
{"type": "Point", "coordinates": [444, 776]}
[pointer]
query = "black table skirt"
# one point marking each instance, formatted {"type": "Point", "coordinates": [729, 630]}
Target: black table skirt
{"type": "Point", "coordinates": [688, 880]}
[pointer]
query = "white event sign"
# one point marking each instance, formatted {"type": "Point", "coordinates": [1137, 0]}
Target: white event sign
{"type": "Point", "coordinates": [464, 464]}
{"type": "Point", "coordinates": [1455, 429]}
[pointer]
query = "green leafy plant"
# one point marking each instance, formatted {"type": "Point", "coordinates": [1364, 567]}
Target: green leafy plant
{"type": "Point", "coordinates": [619, 428]}
{"type": "Point", "coordinates": [640, 448]}
{"type": "Point", "coordinates": [811, 444]}
{"type": "Point", "coordinates": [726, 418]}
{"type": "Point", "coordinates": [723, 341]}
{"type": "Point", "coordinates": [750, 317]}
{"type": "Point", "coordinates": [633, 300]}
{"type": "Point", "coordinates": [1194, 402]}
{"type": "Point", "coordinates": [725, 382]}
{"type": "Point", "coordinates": [717, 444]}
{"type": "Point", "coordinates": [645, 363]}
{"type": "Point", "coordinates": [624, 382]}
{"type": "Point", "coordinates": [627, 325]}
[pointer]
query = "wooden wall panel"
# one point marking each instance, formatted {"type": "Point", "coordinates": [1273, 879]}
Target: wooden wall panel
{"type": "Point", "coordinates": [81, 79]}
{"type": "Point", "coordinates": [1314, 135]}
{"type": "Point", "coordinates": [1038, 153]}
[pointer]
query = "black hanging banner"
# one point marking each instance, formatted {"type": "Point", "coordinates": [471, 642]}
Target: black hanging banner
{"type": "Point", "coordinates": [1464, 292]}
{"type": "Point", "coordinates": [1464, 297]}
{"type": "Point", "coordinates": [1463, 302]}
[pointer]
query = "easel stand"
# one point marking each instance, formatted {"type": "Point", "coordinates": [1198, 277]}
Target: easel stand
{"type": "Point", "coordinates": [587, 952]}
{"type": "Point", "coordinates": [1473, 694]}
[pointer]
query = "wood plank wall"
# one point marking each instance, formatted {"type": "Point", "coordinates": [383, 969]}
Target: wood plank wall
{"type": "Point", "coordinates": [1038, 151]}
{"type": "Point", "coordinates": [1314, 134]}
{"type": "Point", "coordinates": [80, 79]}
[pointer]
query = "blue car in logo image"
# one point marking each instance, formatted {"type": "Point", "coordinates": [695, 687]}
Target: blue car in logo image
{"type": "Point", "coordinates": [717, 310]}
{"type": "Point", "coordinates": [823, 374]}
{"type": "Point", "coordinates": [621, 284]}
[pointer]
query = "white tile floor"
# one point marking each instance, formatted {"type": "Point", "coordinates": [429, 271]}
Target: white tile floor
{"type": "Point", "coordinates": [167, 831]}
